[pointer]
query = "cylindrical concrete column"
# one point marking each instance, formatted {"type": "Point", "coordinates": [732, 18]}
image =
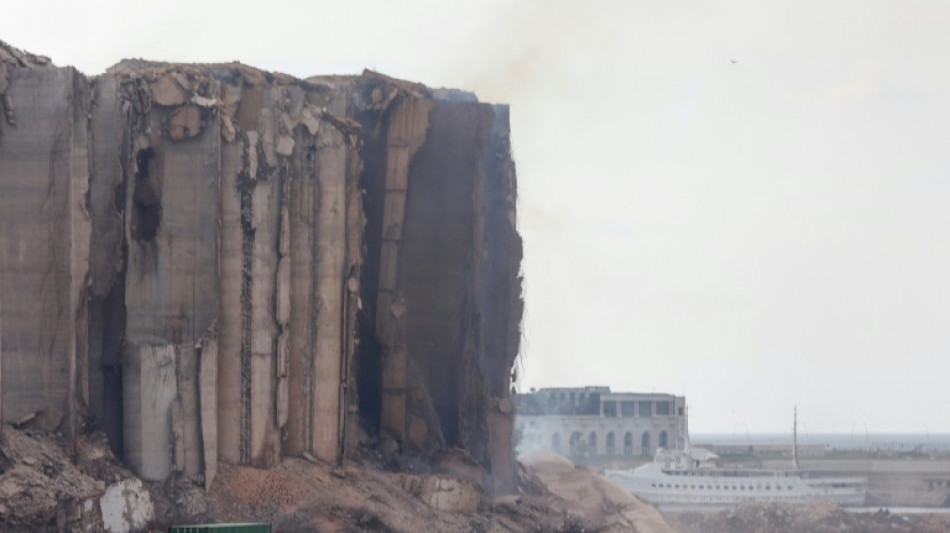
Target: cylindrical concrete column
{"type": "Point", "coordinates": [330, 273]}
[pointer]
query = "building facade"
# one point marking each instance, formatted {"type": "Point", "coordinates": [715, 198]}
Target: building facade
{"type": "Point", "coordinates": [594, 421]}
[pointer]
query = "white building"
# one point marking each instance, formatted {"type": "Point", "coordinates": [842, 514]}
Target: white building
{"type": "Point", "coordinates": [593, 421]}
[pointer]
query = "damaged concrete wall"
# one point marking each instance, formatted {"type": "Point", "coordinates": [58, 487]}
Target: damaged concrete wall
{"type": "Point", "coordinates": [449, 299]}
{"type": "Point", "coordinates": [228, 262]}
{"type": "Point", "coordinates": [44, 237]}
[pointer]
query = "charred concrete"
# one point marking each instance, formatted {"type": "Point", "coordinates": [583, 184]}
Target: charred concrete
{"type": "Point", "coordinates": [238, 264]}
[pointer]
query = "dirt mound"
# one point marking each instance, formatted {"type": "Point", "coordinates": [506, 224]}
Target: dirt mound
{"type": "Point", "coordinates": [595, 503]}
{"type": "Point", "coordinates": [299, 495]}
{"type": "Point", "coordinates": [46, 487]}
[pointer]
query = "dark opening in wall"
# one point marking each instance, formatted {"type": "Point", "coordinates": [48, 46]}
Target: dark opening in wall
{"type": "Point", "coordinates": [245, 188]}
{"type": "Point", "coordinates": [370, 378]}
{"type": "Point", "coordinates": [147, 200]}
{"type": "Point", "coordinates": [118, 196]}
{"type": "Point", "coordinates": [369, 369]}
{"type": "Point", "coordinates": [436, 265]}
{"type": "Point", "coordinates": [107, 341]}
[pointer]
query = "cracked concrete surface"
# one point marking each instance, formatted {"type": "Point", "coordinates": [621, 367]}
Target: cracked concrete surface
{"type": "Point", "coordinates": [213, 261]}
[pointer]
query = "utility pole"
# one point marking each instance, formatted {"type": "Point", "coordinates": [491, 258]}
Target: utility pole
{"type": "Point", "coordinates": [795, 439]}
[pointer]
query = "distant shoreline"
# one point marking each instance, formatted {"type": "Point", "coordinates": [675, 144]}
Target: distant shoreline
{"type": "Point", "coordinates": [906, 442]}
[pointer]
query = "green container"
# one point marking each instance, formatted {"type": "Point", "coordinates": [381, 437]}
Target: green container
{"type": "Point", "coordinates": [222, 528]}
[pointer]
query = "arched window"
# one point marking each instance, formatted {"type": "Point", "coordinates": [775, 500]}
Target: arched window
{"type": "Point", "coordinates": [592, 444]}
{"type": "Point", "coordinates": [556, 442]}
{"type": "Point", "coordinates": [577, 444]}
{"type": "Point", "coordinates": [628, 444]}
{"type": "Point", "coordinates": [610, 444]}
{"type": "Point", "coordinates": [645, 444]}
{"type": "Point", "coordinates": [663, 440]}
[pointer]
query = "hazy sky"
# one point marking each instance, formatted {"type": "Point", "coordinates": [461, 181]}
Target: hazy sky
{"type": "Point", "coordinates": [745, 202]}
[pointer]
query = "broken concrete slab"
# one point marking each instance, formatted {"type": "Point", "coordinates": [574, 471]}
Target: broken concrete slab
{"type": "Point", "coordinates": [126, 506]}
{"type": "Point", "coordinates": [149, 391]}
{"type": "Point", "coordinates": [166, 91]}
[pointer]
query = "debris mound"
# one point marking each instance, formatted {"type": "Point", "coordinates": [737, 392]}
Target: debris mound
{"type": "Point", "coordinates": [815, 518]}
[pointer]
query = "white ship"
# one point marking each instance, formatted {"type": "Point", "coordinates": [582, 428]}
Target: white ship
{"type": "Point", "coordinates": [689, 480]}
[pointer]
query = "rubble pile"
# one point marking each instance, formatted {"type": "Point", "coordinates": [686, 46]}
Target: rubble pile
{"type": "Point", "coordinates": [44, 487]}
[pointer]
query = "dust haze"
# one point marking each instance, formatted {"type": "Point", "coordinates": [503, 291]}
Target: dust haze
{"type": "Point", "coordinates": [769, 228]}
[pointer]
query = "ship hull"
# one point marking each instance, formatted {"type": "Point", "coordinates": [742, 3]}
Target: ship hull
{"type": "Point", "coordinates": [718, 489]}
